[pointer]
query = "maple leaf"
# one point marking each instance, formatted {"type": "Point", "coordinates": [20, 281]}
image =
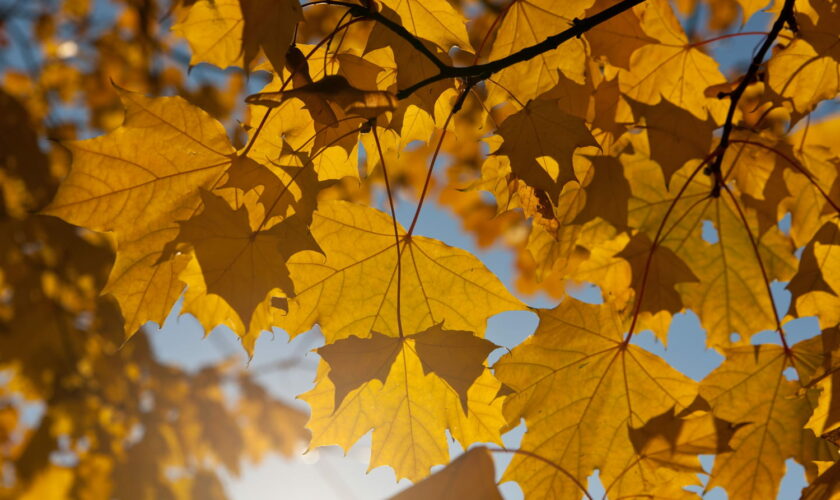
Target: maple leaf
{"type": "Point", "coordinates": [606, 194]}
{"type": "Point", "coordinates": [811, 292]}
{"type": "Point", "coordinates": [455, 356]}
{"type": "Point", "coordinates": [470, 476]}
{"type": "Point", "coordinates": [231, 32]}
{"type": "Point", "coordinates": [241, 263]}
{"type": "Point", "coordinates": [578, 364]}
{"type": "Point", "coordinates": [730, 294]}
{"type": "Point", "coordinates": [671, 69]}
{"type": "Point", "coordinates": [616, 39]}
{"type": "Point", "coordinates": [409, 412]}
{"type": "Point", "coordinates": [661, 270]}
{"type": "Point", "coordinates": [675, 135]}
{"type": "Point", "coordinates": [526, 23]}
{"type": "Point", "coordinates": [750, 387]}
{"type": "Point", "coordinates": [268, 25]}
{"type": "Point", "coordinates": [117, 184]}
{"type": "Point", "coordinates": [214, 31]}
{"type": "Point", "coordinates": [806, 71]}
{"type": "Point", "coordinates": [354, 290]}
{"type": "Point", "coordinates": [432, 20]}
{"type": "Point", "coordinates": [365, 103]}
{"type": "Point", "coordinates": [531, 142]}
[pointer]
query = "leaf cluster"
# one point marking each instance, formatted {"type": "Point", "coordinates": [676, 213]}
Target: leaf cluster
{"type": "Point", "coordinates": [611, 142]}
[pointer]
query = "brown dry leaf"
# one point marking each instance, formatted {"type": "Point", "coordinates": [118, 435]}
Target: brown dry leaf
{"type": "Point", "coordinates": [364, 103]}
{"type": "Point", "coordinates": [469, 477]}
{"type": "Point", "coordinates": [540, 140]}
{"type": "Point", "coordinates": [241, 263]}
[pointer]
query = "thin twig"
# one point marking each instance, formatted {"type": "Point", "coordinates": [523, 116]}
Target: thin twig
{"type": "Point", "coordinates": [455, 108]}
{"type": "Point", "coordinates": [478, 72]}
{"type": "Point", "coordinates": [396, 229]}
{"type": "Point", "coordinates": [786, 16]}
{"type": "Point", "coordinates": [546, 461]}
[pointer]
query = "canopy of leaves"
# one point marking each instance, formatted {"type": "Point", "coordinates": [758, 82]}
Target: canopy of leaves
{"type": "Point", "coordinates": [598, 140]}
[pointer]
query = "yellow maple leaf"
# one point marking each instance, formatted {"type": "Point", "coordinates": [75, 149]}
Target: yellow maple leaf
{"type": "Point", "coordinates": [432, 20]}
{"type": "Point", "coordinates": [457, 357]}
{"type": "Point", "coordinates": [214, 31]}
{"type": "Point", "coordinates": [118, 184]}
{"type": "Point", "coordinates": [231, 32]}
{"type": "Point", "coordinates": [731, 295]}
{"type": "Point", "coordinates": [616, 40]}
{"type": "Point", "coordinates": [750, 387]}
{"type": "Point", "coordinates": [811, 288]}
{"type": "Point", "coordinates": [526, 23]}
{"type": "Point", "coordinates": [675, 136]}
{"type": "Point", "coordinates": [353, 290]}
{"type": "Point", "coordinates": [409, 412]}
{"type": "Point", "coordinates": [241, 263]}
{"type": "Point", "coordinates": [597, 387]}
{"type": "Point", "coordinates": [672, 69]}
{"type": "Point", "coordinates": [807, 71]}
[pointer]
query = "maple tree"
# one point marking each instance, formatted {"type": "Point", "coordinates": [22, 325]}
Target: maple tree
{"type": "Point", "coordinates": [610, 142]}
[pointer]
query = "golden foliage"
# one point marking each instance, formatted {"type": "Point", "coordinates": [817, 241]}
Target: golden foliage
{"type": "Point", "coordinates": [597, 140]}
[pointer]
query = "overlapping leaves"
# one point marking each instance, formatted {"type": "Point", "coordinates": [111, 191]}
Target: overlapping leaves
{"type": "Point", "coordinates": [605, 146]}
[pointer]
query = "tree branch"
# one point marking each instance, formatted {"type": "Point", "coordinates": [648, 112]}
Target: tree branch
{"type": "Point", "coordinates": [478, 72]}
{"type": "Point", "coordinates": [367, 13]}
{"type": "Point", "coordinates": [786, 16]}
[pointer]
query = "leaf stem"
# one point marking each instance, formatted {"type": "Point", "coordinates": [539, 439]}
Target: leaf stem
{"type": "Point", "coordinates": [761, 266]}
{"type": "Point", "coordinates": [727, 36]}
{"type": "Point", "coordinates": [531, 454]}
{"type": "Point", "coordinates": [455, 108]}
{"type": "Point", "coordinates": [396, 228]}
{"type": "Point", "coordinates": [654, 244]}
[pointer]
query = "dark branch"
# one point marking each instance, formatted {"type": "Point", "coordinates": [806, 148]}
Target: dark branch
{"type": "Point", "coordinates": [483, 71]}
{"type": "Point", "coordinates": [478, 72]}
{"type": "Point", "coordinates": [786, 16]}
{"type": "Point", "coordinates": [364, 12]}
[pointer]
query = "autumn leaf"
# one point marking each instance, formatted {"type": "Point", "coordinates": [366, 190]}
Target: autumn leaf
{"type": "Point", "coordinates": [116, 184]}
{"type": "Point", "coordinates": [523, 24]}
{"type": "Point", "coordinates": [353, 290]}
{"type": "Point", "coordinates": [367, 104]}
{"type": "Point", "coordinates": [232, 32]}
{"type": "Point", "coordinates": [577, 361]}
{"type": "Point", "coordinates": [470, 476]}
{"type": "Point", "coordinates": [750, 387]}
{"type": "Point", "coordinates": [811, 292]}
{"type": "Point", "coordinates": [675, 136]}
{"type": "Point", "coordinates": [806, 71]}
{"type": "Point", "coordinates": [671, 69]}
{"type": "Point", "coordinates": [531, 142]}
{"type": "Point", "coordinates": [434, 20]}
{"type": "Point", "coordinates": [241, 263]}
{"type": "Point", "coordinates": [616, 39]}
{"type": "Point", "coordinates": [730, 294]}
{"type": "Point", "coordinates": [457, 357]}
{"type": "Point", "coordinates": [409, 412]}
